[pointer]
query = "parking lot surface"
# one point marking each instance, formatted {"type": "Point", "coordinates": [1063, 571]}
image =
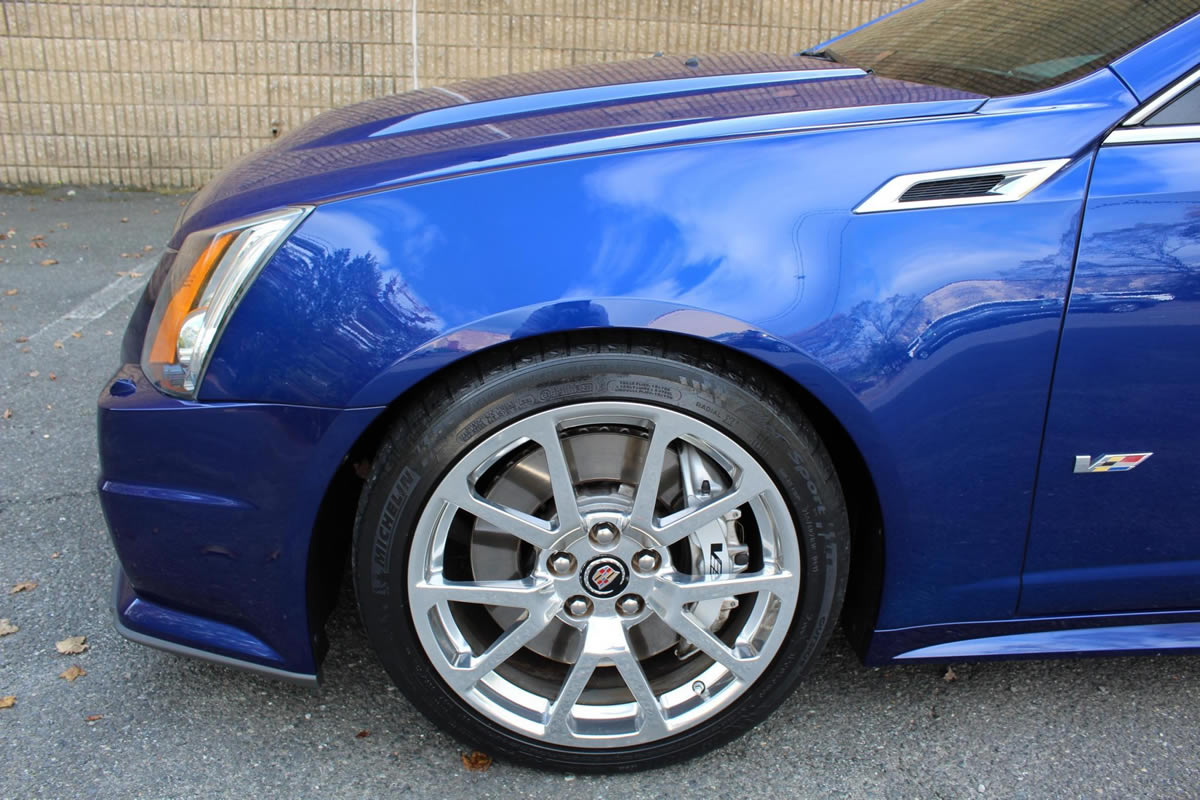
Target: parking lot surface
{"type": "Point", "coordinates": [145, 724]}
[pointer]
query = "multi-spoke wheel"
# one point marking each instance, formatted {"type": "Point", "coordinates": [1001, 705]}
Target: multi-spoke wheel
{"type": "Point", "coordinates": [601, 559]}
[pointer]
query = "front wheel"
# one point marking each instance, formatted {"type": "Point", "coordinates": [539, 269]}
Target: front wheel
{"type": "Point", "coordinates": [602, 556]}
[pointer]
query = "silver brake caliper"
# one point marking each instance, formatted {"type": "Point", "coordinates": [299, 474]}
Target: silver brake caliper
{"type": "Point", "coordinates": [717, 548]}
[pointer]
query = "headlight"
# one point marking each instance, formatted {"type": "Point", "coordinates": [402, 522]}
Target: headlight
{"type": "Point", "coordinates": [208, 278]}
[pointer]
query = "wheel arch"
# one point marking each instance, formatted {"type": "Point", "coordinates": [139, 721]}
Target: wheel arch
{"type": "Point", "coordinates": [333, 526]}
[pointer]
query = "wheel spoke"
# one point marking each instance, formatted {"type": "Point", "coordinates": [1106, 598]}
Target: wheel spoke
{"type": "Point", "coordinates": [561, 484]}
{"type": "Point", "coordinates": [526, 528]}
{"type": "Point", "coordinates": [646, 497]}
{"type": "Point", "coordinates": [526, 593]}
{"type": "Point", "coordinates": [653, 722]}
{"type": "Point", "coordinates": [464, 676]}
{"type": "Point", "coordinates": [559, 717]}
{"type": "Point", "coordinates": [690, 519]}
{"type": "Point", "coordinates": [681, 589]}
{"type": "Point", "coordinates": [682, 623]}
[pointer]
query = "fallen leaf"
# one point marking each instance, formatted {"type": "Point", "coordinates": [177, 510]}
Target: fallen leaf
{"type": "Point", "coordinates": [49, 262]}
{"type": "Point", "coordinates": [72, 672]}
{"type": "Point", "coordinates": [23, 586]}
{"type": "Point", "coordinates": [22, 339]}
{"type": "Point", "coordinates": [55, 555]}
{"type": "Point", "coordinates": [76, 335]}
{"type": "Point", "coordinates": [476, 761]}
{"type": "Point", "coordinates": [34, 374]}
{"type": "Point", "coordinates": [6, 627]}
{"type": "Point", "coordinates": [11, 292]}
{"type": "Point", "coordinates": [148, 248]}
{"type": "Point", "coordinates": [93, 717]}
{"type": "Point", "coordinates": [58, 345]}
{"type": "Point", "coordinates": [156, 211]}
{"type": "Point", "coordinates": [37, 241]}
{"type": "Point", "coordinates": [8, 702]}
{"type": "Point", "coordinates": [7, 413]}
{"type": "Point", "coordinates": [108, 333]}
{"type": "Point", "coordinates": [64, 225]}
{"type": "Point", "coordinates": [362, 734]}
{"type": "Point", "coordinates": [72, 645]}
{"type": "Point", "coordinates": [122, 274]}
{"type": "Point", "coordinates": [126, 255]}
{"type": "Point", "coordinates": [949, 677]}
{"type": "Point", "coordinates": [124, 219]}
{"type": "Point", "coordinates": [53, 377]}
{"type": "Point", "coordinates": [136, 274]}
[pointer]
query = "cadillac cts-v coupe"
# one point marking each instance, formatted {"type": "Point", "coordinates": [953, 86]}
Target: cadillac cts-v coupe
{"type": "Point", "coordinates": [614, 389]}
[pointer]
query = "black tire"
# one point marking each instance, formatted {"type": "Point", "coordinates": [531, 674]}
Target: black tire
{"type": "Point", "coordinates": [472, 401]}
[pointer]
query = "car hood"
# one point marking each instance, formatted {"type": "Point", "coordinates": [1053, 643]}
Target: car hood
{"type": "Point", "coordinates": [558, 113]}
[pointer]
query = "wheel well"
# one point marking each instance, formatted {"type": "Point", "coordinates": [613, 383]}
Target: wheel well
{"type": "Point", "coordinates": [333, 530]}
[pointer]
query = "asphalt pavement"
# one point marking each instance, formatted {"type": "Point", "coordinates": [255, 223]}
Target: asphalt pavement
{"type": "Point", "coordinates": [145, 724]}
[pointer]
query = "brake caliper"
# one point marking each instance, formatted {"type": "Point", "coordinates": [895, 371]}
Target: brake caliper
{"type": "Point", "coordinates": [717, 548]}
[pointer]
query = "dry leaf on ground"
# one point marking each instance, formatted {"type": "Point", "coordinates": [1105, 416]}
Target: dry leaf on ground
{"type": "Point", "coordinates": [34, 374]}
{"type": "Point", "coordinates": [49, 262]}
{"type": "Point", "coordinates": [7, 413]}
{"type": "Point", "coordinates": [53, 377]}
{"type": "Point", "coordinates": [23, 586]}
{"type": "Point", "coordinates": [124, 219]}
{"type": "Point", "coordinates": [37, 241]}
{"type": "Point", "coordinates": [476, 761]}
{"type": "Point", "coordinates": [93, 717]}
{"type": "Point", "coordinates": [949, 676]}
{"type": "Point", "coordinates": [58, 345]}
{"type": "Point", "coordinates": [76, 334]}
{"type": "Point", "coordinates": [72, 672]}
{"type": "Point", "coordinates": [6, 627]}
{"type": "Point", "coordinates": [362, 734]}
{"type": "Point", "coordinates": [8, 702]}
{"type": "Point", "coordinates": [11, 292]}
{"type": "Point", "coordinates": [72, 645]}
{"type": "Point", "coordinates": [22, 339]}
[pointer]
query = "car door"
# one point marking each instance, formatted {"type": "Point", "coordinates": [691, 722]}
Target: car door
{"type": "Point", "coordinates": [1122, 534]}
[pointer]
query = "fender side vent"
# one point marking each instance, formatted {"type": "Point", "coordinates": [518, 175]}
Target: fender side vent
{"type": "Point", "coordinates": [967, 186]}
{"type": "Point", "coordinates": [952, 189]}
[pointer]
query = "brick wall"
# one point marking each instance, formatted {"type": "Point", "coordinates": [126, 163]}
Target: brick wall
{"type": "Point", "coordinates": [164, 92]}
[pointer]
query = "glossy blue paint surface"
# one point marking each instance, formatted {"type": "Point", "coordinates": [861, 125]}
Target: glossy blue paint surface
{"type": "Point", "coordinates": [716, 202]}
{"type": "Point", "coordinates": [1126, 383]}
{"type": "Point", "coordinates": [1152, 67]}
{"type": "Point", "coordinates": [212, 514]}
{"type": "Point", "coordinates": [731, 240]}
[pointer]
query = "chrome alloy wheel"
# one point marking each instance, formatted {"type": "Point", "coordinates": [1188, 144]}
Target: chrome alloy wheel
{"type": "Point", "coordinates": [603, 574]}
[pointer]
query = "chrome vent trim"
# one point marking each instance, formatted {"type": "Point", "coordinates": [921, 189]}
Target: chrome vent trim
{"type": "Point", "coordinates": [994, 183]}
{"type": "Point", "coordinates": [1159, 134]}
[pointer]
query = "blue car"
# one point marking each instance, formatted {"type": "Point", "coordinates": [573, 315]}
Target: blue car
{"type": "Point", "coordinates": [614, 389]}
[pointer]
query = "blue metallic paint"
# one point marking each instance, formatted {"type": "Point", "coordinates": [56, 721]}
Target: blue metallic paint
{"type": "Point", "coordinates": [908, 327]}
{"type": "Point", "coordinates": [1126, 377]}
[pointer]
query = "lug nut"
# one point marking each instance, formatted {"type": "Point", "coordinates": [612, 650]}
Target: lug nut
{"type": "Point", "coordinates": [629, 605]}
{"type": "Point", "coordinates": [646, 561]}
{"type": "Point", "coordinates": [579, 606]}
{"type": "Point", "coordinates": [604, 533]}
{"type": "Point", "coordinates": [562, 563]}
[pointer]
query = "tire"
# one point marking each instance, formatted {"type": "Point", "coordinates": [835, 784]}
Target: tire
{"type": "Point", "coordinates": [525, 596]}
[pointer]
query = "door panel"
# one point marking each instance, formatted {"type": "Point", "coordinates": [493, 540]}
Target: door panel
{"type": "Point", "coordinates": [1127, 381]}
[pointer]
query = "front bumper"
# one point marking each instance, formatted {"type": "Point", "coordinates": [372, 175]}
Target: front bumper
{"type": "Point", "coordinates": [211, 510]}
